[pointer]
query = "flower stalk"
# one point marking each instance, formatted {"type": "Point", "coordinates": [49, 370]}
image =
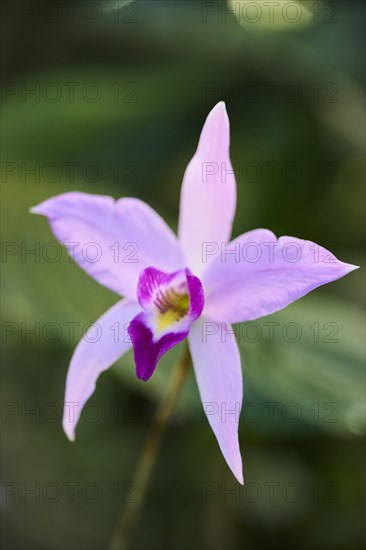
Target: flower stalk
{"type": "Point", "coordinates": [131, 513]}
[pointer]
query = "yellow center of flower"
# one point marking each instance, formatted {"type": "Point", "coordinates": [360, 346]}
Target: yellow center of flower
{"type": "Point", "coordinates": [172, 306]}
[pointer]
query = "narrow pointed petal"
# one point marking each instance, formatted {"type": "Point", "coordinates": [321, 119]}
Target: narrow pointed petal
{"type": "Point", "coordinates": [216, 362]}
{"type": "Point", "coordinates": [105, 342]}
{"type": "Point", "coordinates": [113, 241]}
{"type": "Point", "coordinates": [208, 196]}
{"type": "Point", "coordinates": [259, 274]}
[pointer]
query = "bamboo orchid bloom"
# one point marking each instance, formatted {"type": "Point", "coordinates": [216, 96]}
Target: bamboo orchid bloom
{"type": "Point", "coordinates": [180, 284]}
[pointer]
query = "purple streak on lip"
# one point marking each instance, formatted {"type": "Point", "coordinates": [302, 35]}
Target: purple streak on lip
{"type": "Point", "coordinates": [196, 295]}
{"type": "Point", "coordinates": [154, 286]}
{"type": "Point", "coordinates": [147, 352]}
{"type": "Point", "coordinates": [150, 281]}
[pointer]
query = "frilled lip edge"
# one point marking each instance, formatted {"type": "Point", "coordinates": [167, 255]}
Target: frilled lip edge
{"type": "Point", "coordinates": [155, 288]}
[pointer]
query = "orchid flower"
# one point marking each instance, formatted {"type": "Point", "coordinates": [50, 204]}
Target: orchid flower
{"type": "Point", "coordinates": [180, 284]}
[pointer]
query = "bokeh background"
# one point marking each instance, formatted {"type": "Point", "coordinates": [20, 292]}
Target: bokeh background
{"type": "Point", "coordinates": [144, 77]}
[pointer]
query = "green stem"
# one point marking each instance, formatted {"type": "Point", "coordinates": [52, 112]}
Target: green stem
{"type": "Point", "coordinates": [132, 511]}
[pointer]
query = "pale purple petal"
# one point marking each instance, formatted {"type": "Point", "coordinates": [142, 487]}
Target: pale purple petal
{"type": "Point", "coordinates": [105, 342]}
{"type": "Point", "coordinates": [112, 240]}
{"type": "Point", "coordinates": [216, 362]}
{"type": "Point", "coordinates": [258, 274]}
{"type": "Point", "coordinates": [208, 196]}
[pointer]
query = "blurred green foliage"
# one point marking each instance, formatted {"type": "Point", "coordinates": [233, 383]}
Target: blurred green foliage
{"type": "Point", "coordinates": [160, 67]}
